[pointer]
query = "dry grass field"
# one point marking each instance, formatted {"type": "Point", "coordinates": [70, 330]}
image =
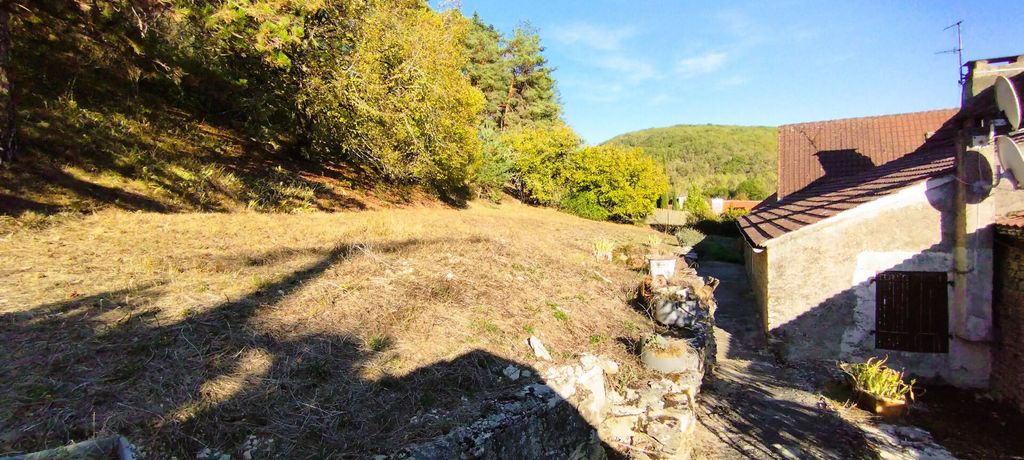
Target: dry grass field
{"type": "Point", "coordinates": [331, 334]}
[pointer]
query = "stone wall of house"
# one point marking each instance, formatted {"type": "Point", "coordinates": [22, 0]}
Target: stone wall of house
{"type": "Point", "coordinates": [820, 294]}
{"type": "Point", "coordinates": [756, 263]}
{"type": "Point", "coordinates": [1008, 352]}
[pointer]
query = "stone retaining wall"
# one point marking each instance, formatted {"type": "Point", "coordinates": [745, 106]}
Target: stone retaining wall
{"type": "Point", "coordinates": [574, 413]}
{"type": "Point", "coordinates": [534, 423]}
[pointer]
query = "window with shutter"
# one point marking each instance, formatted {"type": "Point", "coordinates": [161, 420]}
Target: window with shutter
{"type": "Point", "coordinates": [912, 311]}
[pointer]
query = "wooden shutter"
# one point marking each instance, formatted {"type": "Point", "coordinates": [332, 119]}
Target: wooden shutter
{"type": "Point", "coordinates": [912, 312]}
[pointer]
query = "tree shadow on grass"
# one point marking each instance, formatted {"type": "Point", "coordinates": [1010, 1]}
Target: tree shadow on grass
{"type": "Point", "coordinates": [15, 206]}
{"type": "Point", "coordinates": [111, 363]}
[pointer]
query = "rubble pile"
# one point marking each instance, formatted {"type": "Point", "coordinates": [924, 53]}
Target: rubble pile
{"type": "Point", "coordinates": [686, 304]}
{"type": "Point", "coordinates": [655, 418]}
{"type": "Point", "coordinates": [575, 410]}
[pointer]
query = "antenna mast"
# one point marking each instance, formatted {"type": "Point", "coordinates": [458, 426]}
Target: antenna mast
{"type": "Point", "coordinates": [959, 50]}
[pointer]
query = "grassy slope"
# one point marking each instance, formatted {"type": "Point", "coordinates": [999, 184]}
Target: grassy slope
{"type": "Point", "coordinates": [711, 155]}
{"type": "Point", "coordinates": [82, 155]}
{"type": "Point", "coordinates": [325, 332]}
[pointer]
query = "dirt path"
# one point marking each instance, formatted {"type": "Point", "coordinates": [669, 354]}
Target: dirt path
{"type": "Point", "coordinates": [754, 407]}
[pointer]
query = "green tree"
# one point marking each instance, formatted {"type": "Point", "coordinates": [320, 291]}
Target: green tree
{"type": "Point", "coordinates": [539, 154]}
{"type": "Point", "coordinates": [8, 110]}
{"type": "Point", "coordinates": [752, 189]}
{"type": "Point", "coordinates": [724, 161]}
{"type": "Point", "coordinates": [626, 182]}
{"type": "Point", "coordinates": [374, 83]}
{"type": "Point", "coordinates": [530, 97]}
{"type": "Point", "coordinates": [487, 68]}
{"type": "Point", "coordinates": [696, 204]}
{"type": "Point", "coordinates": [398, 102]}
{"type": "Point", "coordinates": [496, 165]}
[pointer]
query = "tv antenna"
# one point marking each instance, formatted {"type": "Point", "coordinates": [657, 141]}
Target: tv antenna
{"type": "Point", "coordinates": [959, 50]}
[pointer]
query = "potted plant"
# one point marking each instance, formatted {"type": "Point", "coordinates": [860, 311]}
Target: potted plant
{"type": "Point", "coordinates": [878, 388]}
{"type": "Point", "coordinates": [669, 356]}
{"type": "Point", "coordinates": [603, 250]}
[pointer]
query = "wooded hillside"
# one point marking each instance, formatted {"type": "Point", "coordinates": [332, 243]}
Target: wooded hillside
{"type": "Point", "coordinates": [278, 105]}
{"type": "Point", "coordinates": [727, 161]}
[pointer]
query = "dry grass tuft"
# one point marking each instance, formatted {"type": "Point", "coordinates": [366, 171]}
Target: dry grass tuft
{"type": "Point", "coordinates": [340, 334]}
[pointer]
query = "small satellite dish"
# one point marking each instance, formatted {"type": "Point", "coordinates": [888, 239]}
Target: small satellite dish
{"type": "Point", "coordinates": [979, 176]}
{"type": "Point", "coordinates": [1008, 101]}
{"type": "Point", "coordinates": [1012, 158]}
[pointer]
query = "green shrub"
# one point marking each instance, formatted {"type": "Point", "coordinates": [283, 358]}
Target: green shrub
{"type": "Point", "coordinates": [280, 191]}
{"type": "Point", "coordinates": [689, 236]}
{"type": "Point", "coordinates": [604, 245]}
{"type": "Point", "coordinates": [495, 169]}
{"type": "Point", "coordinates": [720, 248]}
{"type": "Point", "coordinates": [379, 343]}
{"type": "Point", "coordinates": [625, 181]}
{"type": "Point", "coordinates": [539, 156]}
{"type": "Point", "coordinates": [715, 226]}
{"type": "Point", "coordinates": [696, 204]}
{"type": "Point", "coordinates": [732, 214]}
{"type": "Point", "coordinates": [584, 205]}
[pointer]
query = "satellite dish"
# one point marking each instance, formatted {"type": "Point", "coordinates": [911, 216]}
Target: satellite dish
{"type": "Point", "coordinates": [1012, 158]}
{"type": "Point", "coordinates": [977, 173]}
{"type": "Point", "coordinates": [1009, 102]}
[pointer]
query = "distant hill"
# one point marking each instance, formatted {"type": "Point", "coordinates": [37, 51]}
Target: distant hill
{"type": "Point", "coordinates": [728, 161]}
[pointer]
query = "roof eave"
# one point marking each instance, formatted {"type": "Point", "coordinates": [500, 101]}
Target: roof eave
{"type": "Point", "coordinates": [921, 186]}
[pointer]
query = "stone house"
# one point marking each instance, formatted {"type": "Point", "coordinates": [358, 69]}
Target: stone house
{"type": "Point", "coordinates": [1008, 311]}
{"type": "Point", "coordinates": [880, 239]}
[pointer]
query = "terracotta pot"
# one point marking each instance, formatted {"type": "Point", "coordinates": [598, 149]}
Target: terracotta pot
{"type": "Point", "coordinates": [887, 408]}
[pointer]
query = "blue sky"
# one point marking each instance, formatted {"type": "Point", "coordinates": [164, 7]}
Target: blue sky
{"type": "Point", "coordinates": [626, 65]}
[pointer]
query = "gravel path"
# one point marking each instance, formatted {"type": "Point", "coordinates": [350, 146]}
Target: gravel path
{"type": "Point", "coordinates": [754, 407]}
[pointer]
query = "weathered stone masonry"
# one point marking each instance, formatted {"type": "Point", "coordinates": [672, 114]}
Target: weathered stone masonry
{"type": "Point", "coordinates": [1008, 353]}
{"type": "Point", "coordinates": [573, 411]}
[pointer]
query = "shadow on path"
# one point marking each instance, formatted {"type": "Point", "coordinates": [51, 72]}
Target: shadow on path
{"type": "Point", "coordinates": [754, 407]}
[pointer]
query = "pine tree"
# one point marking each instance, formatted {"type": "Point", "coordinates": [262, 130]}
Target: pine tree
{"type": "Point", "coordinates": [531, 97]}
{"type": "Point", "coordinates": [487, 68]}
{"type": "Point", "coordinates": [513, 74]}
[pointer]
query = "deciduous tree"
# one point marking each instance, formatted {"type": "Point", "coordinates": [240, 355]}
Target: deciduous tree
{"type": "Point", "coordinates": [539, 156]}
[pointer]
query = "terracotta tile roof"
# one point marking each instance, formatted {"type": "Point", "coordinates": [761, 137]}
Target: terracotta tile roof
{"type": "Point", "coordinates": [774, 218]}
{"type": "Point", "coordinates": [810, 152]}
{"type": "Point", "coordinates": [740, 204]}
{"type": "Point", "coordinates": [1011, 221]}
